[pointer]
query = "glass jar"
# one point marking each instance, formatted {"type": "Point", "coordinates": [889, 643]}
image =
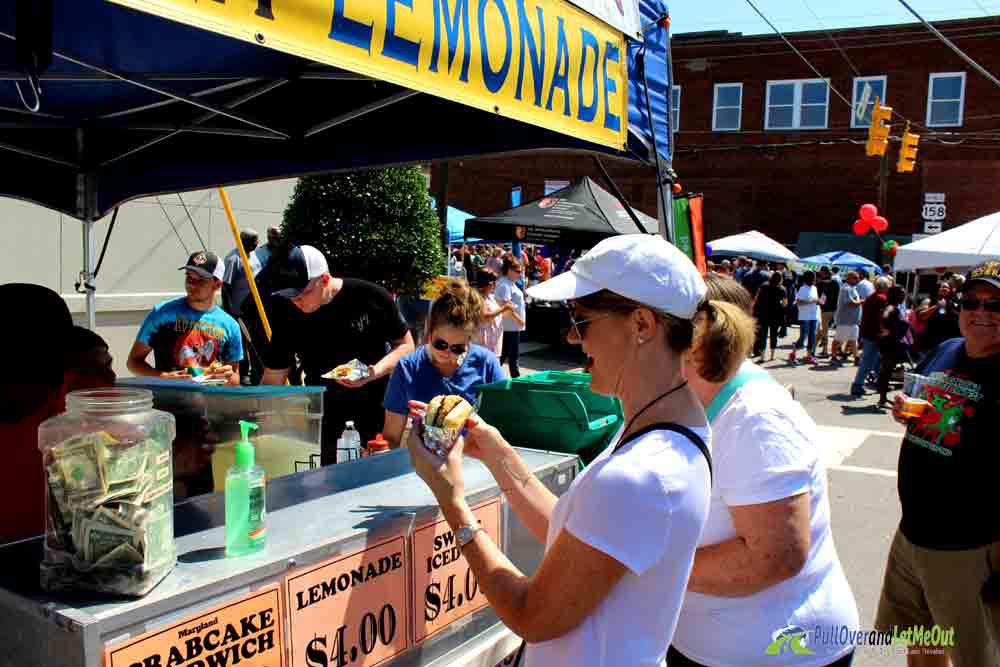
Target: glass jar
{"type": "Point", "coordinates": [109, 493]}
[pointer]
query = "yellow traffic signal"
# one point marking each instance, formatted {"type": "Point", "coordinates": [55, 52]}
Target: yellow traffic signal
{"type": "Point", "coordinates": [878, 133]}
{"type": "Point", "coordinates": [908, 151]}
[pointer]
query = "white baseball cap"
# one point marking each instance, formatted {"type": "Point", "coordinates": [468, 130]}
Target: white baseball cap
{"type": "Point", "coordinates": [641, 267]}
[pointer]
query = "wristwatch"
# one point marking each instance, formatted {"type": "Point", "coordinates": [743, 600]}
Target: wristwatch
{"type": "Point", "coordinates": [467, 533]}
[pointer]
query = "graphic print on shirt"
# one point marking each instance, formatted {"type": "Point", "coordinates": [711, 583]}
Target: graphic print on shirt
{"type": "Point", "coordinates": [197, 344]}
{"type": "Point", "coordinates": [953, 399]}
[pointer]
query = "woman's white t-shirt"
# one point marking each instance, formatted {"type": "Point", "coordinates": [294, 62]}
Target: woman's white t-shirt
{"type": "Point", "coordinates": [808, 311]}
{"type": "Point", "coordinates": [507, 290]}
{"type": "Point", "coordinates": [644, 506]}
{"type": "Point", "coordinates": [765, 448]}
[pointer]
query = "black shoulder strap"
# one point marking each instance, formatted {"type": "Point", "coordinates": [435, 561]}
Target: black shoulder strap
{"type": "Point", "coordinates": [676, 428]}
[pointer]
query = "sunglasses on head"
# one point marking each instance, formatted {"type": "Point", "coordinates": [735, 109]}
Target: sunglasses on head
{"type": "Point", "coordinates": [972, 304]}
{"type": "Point", "coordinates": [441, 345]}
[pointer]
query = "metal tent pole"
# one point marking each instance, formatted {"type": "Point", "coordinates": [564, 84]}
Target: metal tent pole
{"type": "Point", "coordinates": [87, 275]}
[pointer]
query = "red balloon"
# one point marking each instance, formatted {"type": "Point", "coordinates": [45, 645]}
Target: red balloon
{"type": "Point", "coordinates": [879, 224]}
{"type": "Point", "coordinates": [861, 227]}
{"type": "Point", "coordinates": [892, 251]}
{"type": "Point", "coordinates": [868, 212]}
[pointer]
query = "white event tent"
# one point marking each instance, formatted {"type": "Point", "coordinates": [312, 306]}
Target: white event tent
{"type": "Point", "coordinates": [965, 245]}
{"type": "Point", "coordinates": [751, 244]}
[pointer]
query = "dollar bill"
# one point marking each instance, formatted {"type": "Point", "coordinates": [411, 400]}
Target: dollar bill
{"type": "Point", "coordinates": [99, 539]}
{"type": "Point", "coordinates": [125, 464]}
{"type": "Point", "coordinates": [109, 517]}
{"type": "Point", "coordinates": [82, 467]}
{"type": "Point", "coordinates": [158, 540]}
{"type": "Point", "coordinates": [123, 555]}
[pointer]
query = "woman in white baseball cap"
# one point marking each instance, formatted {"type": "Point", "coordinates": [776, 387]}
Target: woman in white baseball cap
{"type": "Point", "coordinates": [619, 544]}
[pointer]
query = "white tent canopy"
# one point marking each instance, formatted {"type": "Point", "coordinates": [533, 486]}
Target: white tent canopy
{"type": "Point", "coordinates": [752, 244]}
{"type": "Point", "coordinates": [965, 245]}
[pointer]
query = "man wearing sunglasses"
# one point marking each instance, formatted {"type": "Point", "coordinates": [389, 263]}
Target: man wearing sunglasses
{"type": "Point", "coordinates": [948, 541]}
{"type": "Point", "coordinates": [329, 321]}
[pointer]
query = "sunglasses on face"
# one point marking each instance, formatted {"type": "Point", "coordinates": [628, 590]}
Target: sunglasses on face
{"type": "Point", "coordinates": [441, 345]}
{"type": "Point", "coordinates": [581, 326]}
{"type": "Point", "coordinates": [973, 304]}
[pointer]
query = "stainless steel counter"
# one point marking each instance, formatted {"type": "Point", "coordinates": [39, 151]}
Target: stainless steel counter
{"type": "Point", "coordinates": [312, 516]}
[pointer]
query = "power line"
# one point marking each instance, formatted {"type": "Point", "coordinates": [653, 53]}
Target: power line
{"type": "Point", "coordinates": [194, 226]}
{"type": "Point", "coordinates": [832, 38]}
{"type": "Point", "coordinates": [799, 53]}
{"type": "Point", "coordinates": [171, 223]}
{"type": "Point", "coordinates": [951, 45]}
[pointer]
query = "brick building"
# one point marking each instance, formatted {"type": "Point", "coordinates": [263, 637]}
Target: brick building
{"type": "Point", "coordinates": [774, 148]}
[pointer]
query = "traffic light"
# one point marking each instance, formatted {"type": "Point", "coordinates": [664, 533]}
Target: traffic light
{"type": "Point", "coordinates": [878, 133]}
{"type": "Point", "coordinates": [908, 151]}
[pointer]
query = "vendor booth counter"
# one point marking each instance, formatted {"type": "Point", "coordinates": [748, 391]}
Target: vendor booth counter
{"type": "Point", "coordinates": [360, 569]}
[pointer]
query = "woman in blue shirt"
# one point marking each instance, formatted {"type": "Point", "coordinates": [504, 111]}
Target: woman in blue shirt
{"type": "Point", "coordinates": [448, 364]}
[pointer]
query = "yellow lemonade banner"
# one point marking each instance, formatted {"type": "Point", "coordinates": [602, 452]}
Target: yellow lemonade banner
{"type": "Point", "coordinates": [543, 62]}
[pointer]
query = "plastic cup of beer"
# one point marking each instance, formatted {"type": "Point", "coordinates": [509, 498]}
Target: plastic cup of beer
{"type": "Point", "coordinates": [914, 403]}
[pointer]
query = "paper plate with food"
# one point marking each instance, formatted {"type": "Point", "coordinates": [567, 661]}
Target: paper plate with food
{"type": "Point", "coordinates": [352, 371]}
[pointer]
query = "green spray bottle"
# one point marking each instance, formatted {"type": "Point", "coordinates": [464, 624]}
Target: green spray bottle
{"type": "Point", "coordinates": [245, 500]}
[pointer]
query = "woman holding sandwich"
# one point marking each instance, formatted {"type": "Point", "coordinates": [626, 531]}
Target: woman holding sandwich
{"type": "Point", "coordinates": [619, 544]}
{"type": "Point", "coordinates": [450, 363]}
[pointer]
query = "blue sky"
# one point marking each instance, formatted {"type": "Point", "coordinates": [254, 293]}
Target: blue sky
{"type": "Point", "coordinates": [794, 15]}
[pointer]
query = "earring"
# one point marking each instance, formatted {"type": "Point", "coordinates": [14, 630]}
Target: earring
{"type": "Point", "coordinates": [640, 341]}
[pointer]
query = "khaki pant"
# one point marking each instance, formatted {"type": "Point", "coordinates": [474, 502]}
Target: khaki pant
{"type": "Point", "coordinates": [826, 319]}
{"type": "Point", "coordinates": [927, 587]}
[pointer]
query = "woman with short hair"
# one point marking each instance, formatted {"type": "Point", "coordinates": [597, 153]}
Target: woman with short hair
{"type": "Point", "coordinates": [620, 541]}
{"type": "Point", "coordinates": [766, 572]}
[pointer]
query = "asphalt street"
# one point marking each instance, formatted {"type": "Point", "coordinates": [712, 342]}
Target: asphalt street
{"type": "Point", "coordinates": [861, 446]}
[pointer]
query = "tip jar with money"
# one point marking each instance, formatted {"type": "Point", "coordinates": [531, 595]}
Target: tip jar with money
{"type": "Point", "coordinates": [109, 493]}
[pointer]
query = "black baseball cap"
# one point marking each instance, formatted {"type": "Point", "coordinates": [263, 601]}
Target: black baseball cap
{"type": "Point", "coordinates": [206, 264]}
{"type": "Point", "coordinates": [987, 272]}
{"type": "Point", "coordinates": [290, 275]}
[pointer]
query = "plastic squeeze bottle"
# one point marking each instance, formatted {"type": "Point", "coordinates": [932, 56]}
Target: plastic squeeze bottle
{"type": "Point", "coordinates": [245, 500]}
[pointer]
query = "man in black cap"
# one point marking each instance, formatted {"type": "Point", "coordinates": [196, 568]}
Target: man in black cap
{"type": "Point", "coordinates": [191, 332]}
{"type": "Point", "coordinates": [31, 391]}
{"type": "Point", "coordinates": [329, 321]}
{"type": "Point", "coordinates": [948, 542]}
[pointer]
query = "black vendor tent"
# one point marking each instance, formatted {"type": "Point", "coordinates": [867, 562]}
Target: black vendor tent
{"type": "Point", "coordinates": [578, 216]}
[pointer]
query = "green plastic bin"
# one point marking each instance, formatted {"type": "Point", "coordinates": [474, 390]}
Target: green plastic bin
{"type": "Point", "coordinates": [551, 410]}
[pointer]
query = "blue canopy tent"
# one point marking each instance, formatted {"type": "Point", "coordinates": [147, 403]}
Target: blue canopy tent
{"type": "Point", "coordinates": [842, 259]}
{"type": "Point", "coordinates": [456, 218]}
{"type": "Point", "coordinates": [127, 104]}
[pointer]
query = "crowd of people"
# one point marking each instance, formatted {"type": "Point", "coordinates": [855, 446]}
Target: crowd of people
{"type": "Point", "coordinates": [704, 527]}
{"type": "Point", "coordinates": [851, 317]}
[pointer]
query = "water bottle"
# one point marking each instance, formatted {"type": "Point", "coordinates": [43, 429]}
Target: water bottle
{"type": "Point", "coordinates": [349, 445]}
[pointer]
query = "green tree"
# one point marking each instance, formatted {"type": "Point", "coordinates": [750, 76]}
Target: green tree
{"type": "Point", "coordinates": [376, 224]}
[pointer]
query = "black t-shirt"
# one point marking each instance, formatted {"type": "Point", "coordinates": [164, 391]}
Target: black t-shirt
{"type": "Point", "coordinates": [831, 288]}
{"type": "Point", "coordinates": [359, 323]}
{"type": "Point", "coordinates": [755, 279]}
{"type": "Point", "coordinates": [768, 308]}
{"type": "Point", "coordinates": [941, 326]}
{"type": "Point", "coordinates": [949, 458]}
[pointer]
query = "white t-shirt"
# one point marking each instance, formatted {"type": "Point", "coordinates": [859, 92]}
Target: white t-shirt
{"type": "Point", "coordinates": [645, 507]}
{"type": "Point", "coordinates": [765, 448]}
{"type": "Point", "coordinates": [509, 291]}
{"type": "Point", "coordinates": [810, 311]}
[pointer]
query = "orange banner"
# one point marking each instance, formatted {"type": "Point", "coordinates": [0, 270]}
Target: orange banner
{"type": "Point", "coordinates": [697, 232]}
{"type": "Point", "coordinates": [246, 631]}
{"type": "Point", "coordinates": [444, 587]}
{"type": "Point", "coordinates": [350, 610]}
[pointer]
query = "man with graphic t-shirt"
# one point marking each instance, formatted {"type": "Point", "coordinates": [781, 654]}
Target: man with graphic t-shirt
{"type": "Point", "coordinates": [329, 321]}
{"type": "Point", "coordinates": [191, 332]}
{"type": "Point", "coordinates": [948, 541]}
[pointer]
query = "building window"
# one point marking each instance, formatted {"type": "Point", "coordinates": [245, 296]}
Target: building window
{"type": "Point", "coordinates": [866, 89]}
{"type": "Point", "coordinates": [727, 107]}
{"type": "Point", "coordinates": [797, 104]}
{"type": "Point", "coordinates": [946, 99]}
{"type": "Point", "coordinates": [675, 108]}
